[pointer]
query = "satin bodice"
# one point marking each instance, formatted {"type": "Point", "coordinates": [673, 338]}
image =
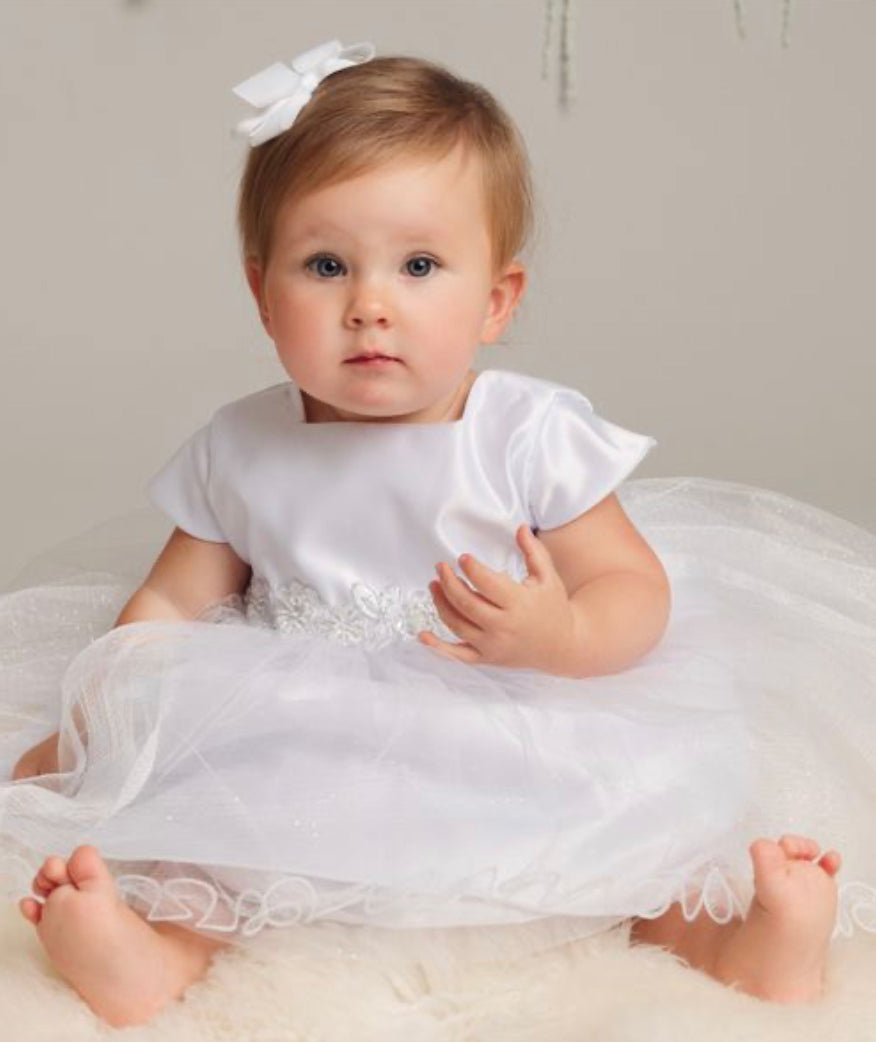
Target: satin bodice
{"type": "Point", "coordinates": [342, 508]}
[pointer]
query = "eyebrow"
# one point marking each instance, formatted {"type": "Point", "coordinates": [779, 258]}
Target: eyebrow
{"type": "Point", "coordinates": [319, 231]}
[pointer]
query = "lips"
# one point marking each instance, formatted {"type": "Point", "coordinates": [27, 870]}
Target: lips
{"type": "Point", "coordinates": [372, 359]}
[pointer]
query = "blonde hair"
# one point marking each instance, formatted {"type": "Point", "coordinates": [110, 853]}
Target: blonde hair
{"type": "Point", "coordinates": [382, 110]}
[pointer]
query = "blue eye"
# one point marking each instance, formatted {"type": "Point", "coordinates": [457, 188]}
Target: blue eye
{"type": "Point", "coordinates": [325, 266]}
{"type": "Point", "coordinates": [328, 267]}
{"type": "Point", "coordinates": [415, 266]}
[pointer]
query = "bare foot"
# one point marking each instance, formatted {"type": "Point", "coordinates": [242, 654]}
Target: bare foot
{"type": "Point", "coordinates": [779, 951]}
{"type": "Point", "coordinates": [125, 969]}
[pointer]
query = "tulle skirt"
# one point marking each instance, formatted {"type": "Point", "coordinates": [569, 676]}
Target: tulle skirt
{"type": "Point", "coordinates": [238, 778]}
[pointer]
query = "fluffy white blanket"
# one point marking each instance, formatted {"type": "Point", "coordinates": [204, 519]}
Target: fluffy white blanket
{"type": "Point", "coordinates": [287, 987]}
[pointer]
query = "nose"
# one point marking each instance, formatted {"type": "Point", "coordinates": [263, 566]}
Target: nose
{"type": "Point", "coordinates": [369, 305]}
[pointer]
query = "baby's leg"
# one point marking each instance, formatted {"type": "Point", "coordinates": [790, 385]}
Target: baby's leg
{"type": "Point", "coordinates": [125, 968]}
{"type": "Point", "coordinates": [697, 942]}
{"type": "Point", "coordinates": [779, 950]}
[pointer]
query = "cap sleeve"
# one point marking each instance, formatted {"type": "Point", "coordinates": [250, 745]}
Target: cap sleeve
{"type": "Point", "coordinates": [182, 488]}
{"type": "Point", "coordinates": [577, 459]}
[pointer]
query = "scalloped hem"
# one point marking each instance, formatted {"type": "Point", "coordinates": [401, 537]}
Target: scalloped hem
{"type": "Point", "coordinates": [294, 901]}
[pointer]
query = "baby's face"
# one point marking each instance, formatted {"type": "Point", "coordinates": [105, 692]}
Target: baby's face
{"type": "Point", "coordinates": [397, 262]}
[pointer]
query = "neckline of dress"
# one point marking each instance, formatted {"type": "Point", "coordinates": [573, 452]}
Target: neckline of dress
{"type": "Point", "coordinates": [298, 406]}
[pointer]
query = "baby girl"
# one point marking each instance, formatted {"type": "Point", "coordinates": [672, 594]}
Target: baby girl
{"type": "Point", "coordinates": [438, 554]}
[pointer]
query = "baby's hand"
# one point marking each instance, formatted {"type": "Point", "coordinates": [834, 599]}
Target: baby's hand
{"type": "Point", "coordinates": [530, 625]}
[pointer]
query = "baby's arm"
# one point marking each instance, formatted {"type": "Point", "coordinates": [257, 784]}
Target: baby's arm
{"type": "Point", "coordinates": [188, 576]}
{"type": "Point", "coordinates": [617, 587]}
{"type": "Point", "coordinates": [596, 598]}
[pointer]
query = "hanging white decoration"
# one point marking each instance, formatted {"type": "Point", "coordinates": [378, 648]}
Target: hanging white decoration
{"type": "Point", "coordinates": [565, 47]}
{"type": "Point", "coordinates": [786, 21]}
{"type": "Point", "coordinates": [560, 17]}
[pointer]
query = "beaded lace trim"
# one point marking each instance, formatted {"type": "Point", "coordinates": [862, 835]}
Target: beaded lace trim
{"type": "Point", "coordinates": [370, 617]}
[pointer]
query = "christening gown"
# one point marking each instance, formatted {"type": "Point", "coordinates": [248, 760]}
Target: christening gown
{"type": "Point", "coordinates": [295, 756]}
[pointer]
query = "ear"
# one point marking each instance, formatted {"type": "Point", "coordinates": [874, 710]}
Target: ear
{"type": "Point", "coordinates": [504, 298]}
{"type": "Point", "coordinates": [257, 286]}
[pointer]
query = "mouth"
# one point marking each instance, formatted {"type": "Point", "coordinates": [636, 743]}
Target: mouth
{"type": "Point", "coordinates": [372, 359]}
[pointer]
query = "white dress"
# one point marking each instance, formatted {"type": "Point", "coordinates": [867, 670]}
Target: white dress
{"type": "Point", "coordinates": [296, 756]}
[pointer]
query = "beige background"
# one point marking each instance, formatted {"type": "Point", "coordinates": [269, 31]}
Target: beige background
{"type": "Point", "coordinates": [704, 269]}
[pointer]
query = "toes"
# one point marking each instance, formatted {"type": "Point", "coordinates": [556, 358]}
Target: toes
{"type": "Point", "coordinates": [831, 862]}
{"type": "Point", "coordinates": [54, 871]}
{"type": "Point", "coordinates": [52, 874]}
{"type": "Point", "coordinates": [799, 846]}
{"type": "Point", "coordinates": [88, 869]}
{"type": "Point", "coordinates": [31, 910]}
{"type": "Point", "coordinates": [766, 856]}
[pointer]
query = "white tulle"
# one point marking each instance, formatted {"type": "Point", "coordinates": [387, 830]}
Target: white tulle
{"type": "Point", "coordinates": [238, 775]}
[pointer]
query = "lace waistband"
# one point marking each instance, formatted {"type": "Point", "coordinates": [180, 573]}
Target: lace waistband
{"type": "Point", "coordinates": [370, 617]}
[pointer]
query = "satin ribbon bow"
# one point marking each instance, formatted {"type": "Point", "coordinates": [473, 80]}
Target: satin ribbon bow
{"type": "Point", "coordinates": [282, 92]}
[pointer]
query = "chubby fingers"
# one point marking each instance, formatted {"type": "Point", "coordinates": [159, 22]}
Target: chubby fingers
{"type": "Point", "coordinates": [539, 562]}
{"type": "Point", "coordinates": [469, 602]}
{"type": "Point", "coordinates": [461, 652]}
{"type": "Point", "coordinates": [467, 612]}
{"type": "Point", "coordinates": [457, 623]}
{"type": "Point", "coordinates": [496, 587]}
{"type": "Point", "coordinates": [452, 615]}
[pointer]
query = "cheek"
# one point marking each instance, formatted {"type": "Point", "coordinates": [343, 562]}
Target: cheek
{"type": "Point", "coordinates": [295, 313]}
{"type": "Point", "coordinates": [459, 306]}
{"type": "Point", "coordinates": [466, 318]}
{"type": "Point", "coordinates": [449, 329]}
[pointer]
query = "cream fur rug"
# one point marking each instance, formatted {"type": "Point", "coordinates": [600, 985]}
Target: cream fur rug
{"type": "Point", "coordinates": [594, 989]}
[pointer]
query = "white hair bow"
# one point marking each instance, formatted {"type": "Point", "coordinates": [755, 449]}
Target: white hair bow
{"type": "Point", "coordinates": [282, 92]}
